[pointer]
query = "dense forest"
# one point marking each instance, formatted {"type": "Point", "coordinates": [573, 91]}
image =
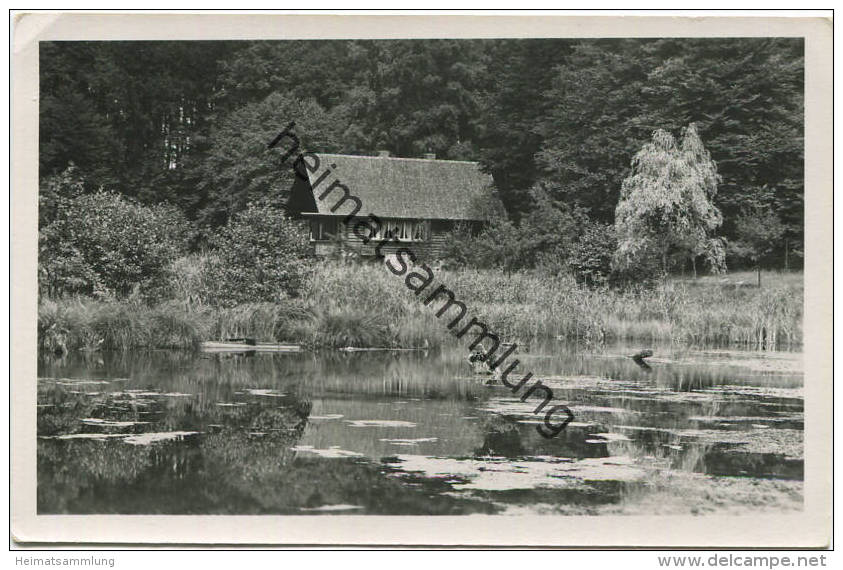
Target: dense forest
{"type": "Point", "coordinates": [556, 122]}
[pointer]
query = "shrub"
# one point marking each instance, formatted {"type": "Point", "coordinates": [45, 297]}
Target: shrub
{"type": "Point", "coordinates": [641, 268]}
{"type": "Point", "coordinates": [259, 257]}
{"type": "Point", "coordinates": [55, 192]}
{"type": "Point", "coordinates": [498, 245]}
{"type": "Point", "coordinates": [103, 244]}
{"type": "Point", "coordinates": [542, 239]}
{"type": "Point", "coordinates": [549, 232]}
{"type": "Point", "coordinates": [590, 258]}
{"type": "Point", "coordinates": [458, 247]}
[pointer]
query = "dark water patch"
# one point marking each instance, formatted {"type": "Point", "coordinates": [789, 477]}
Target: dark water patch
{"type": "Point", "coordinates": [732, 461]}
{"type": "Point", "coordinates": [590, 494]}
{"type": "Point", "coordinates": [184, 478]}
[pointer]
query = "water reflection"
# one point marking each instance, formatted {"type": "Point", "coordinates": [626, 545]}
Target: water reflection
{"type": "Point", "coordinates": [417, 433]}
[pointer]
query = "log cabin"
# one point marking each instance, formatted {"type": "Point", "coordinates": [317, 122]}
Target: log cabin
{"type": "Point", "coordinates": [419, 200]}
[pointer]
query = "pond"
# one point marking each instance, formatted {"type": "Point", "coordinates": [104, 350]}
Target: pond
{"type": "Point", "coordinates": [416, 433]}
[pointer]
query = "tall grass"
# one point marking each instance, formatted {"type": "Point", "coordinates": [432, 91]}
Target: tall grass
{"type": "Point", "coordinates": [88, 325]}
{"type": "Point", "coordinates": [365, 305]}
{"type": "Point", "coordinates": [523, 306]}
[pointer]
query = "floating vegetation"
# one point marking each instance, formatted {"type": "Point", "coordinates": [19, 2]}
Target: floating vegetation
{"type": "Point", "coordinates": [149, 438]}
{"type": "Point", "coordinates": [83, 436]}
{"type": "Point", "coordinates": [380, 423]}
{"type": "Point", "coordinates": [68, 381]}
{"type": "Point", "coordinates": [502, 474]}
{"type": "Point", "coordinates": [757, 391]}
{"type": "Point", "coordinates": [333, 452]}
{"type": "Point", "coordinates": [787, 442]}
{"type": "Point", "coordinates": [149, 394]}
{"type": "Point", "coordinates": [264, 392]}
{"type": "Point", "coordinates": [604, 437]}
{"type": "Point", "coordinates": [109, 423]}
{"type": "Point", "coordinates": [332, 508]}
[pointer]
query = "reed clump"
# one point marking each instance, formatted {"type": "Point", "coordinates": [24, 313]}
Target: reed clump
{"type": "Point", "coordinates": [79, 323]}
{"type": "Point", "coordinates": [365, 305]}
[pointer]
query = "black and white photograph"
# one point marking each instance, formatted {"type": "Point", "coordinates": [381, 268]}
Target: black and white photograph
{"type": "Point", "coordinates": [378, 277]}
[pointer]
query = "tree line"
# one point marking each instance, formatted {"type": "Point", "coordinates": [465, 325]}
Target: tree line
{"type": "Point", "coordinates": [557, 122]}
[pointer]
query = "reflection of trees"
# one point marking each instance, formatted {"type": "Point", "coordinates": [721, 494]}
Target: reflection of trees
{"type": "Point", "coordinates": [244, 466]}
{"type": "Point", "coordinates": [60, 410]}
{"type": "Point", "coordinates": [422, 373]}
{"type": "Point", "coordinates": [419, 373]}
{"type": "Point", "coordinates": [228, 464]}
{"type": "Point", "coordinates": [249, 448]}
{"type": "Point", "coordinates": [242, 461]}
{"type": "Point", "coordinates": [71, 473]}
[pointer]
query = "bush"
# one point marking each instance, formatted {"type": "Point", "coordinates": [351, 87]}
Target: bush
{"type": "Point", "coordinates": [260, 256]}
{"type": "Point", "coordinates": [105, 245]}
{"type": "Point", "coordinates": [590, 258]}
{"type": "Point", "coordinates": [542, 239]}
{"type": "Point", "coordinates": [498, 246]}
{"type": "Point", "coordinates": [459, 248]}
{"type": "Point", "coordinates": [549, 232]}
{"type": "Point", "coordinates": [55, 192]}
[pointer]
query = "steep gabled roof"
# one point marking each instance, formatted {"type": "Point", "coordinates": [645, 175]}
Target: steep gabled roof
{"type": "Point", "coordinates": [399, 187]}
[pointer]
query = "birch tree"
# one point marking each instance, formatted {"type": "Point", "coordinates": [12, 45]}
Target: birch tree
{"type": "Point", "coordinates": [667, 206]}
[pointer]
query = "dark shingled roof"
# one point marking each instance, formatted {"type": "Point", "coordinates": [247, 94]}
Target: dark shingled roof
{"type": "Point", "coordinates": [405, 187]}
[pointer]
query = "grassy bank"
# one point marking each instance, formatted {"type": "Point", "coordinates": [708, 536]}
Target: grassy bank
{"type": "Point", "coordinates": [365, 305]}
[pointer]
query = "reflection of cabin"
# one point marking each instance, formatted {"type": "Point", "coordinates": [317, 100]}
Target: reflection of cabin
{"type": "Point", "coordinates": [417, 200]}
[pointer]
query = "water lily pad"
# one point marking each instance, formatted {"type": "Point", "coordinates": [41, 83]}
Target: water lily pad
{"type": "Point", "coordinates": [380, 423]}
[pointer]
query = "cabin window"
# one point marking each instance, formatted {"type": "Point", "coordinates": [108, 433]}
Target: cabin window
{"type": "Point", "coordinates": [403, 230]}
{"type": "Point", "coordinates": [323, 230]}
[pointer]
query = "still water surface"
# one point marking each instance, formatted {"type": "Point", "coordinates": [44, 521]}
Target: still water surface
{"type": "Point", "coordinates": [702, 431]}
